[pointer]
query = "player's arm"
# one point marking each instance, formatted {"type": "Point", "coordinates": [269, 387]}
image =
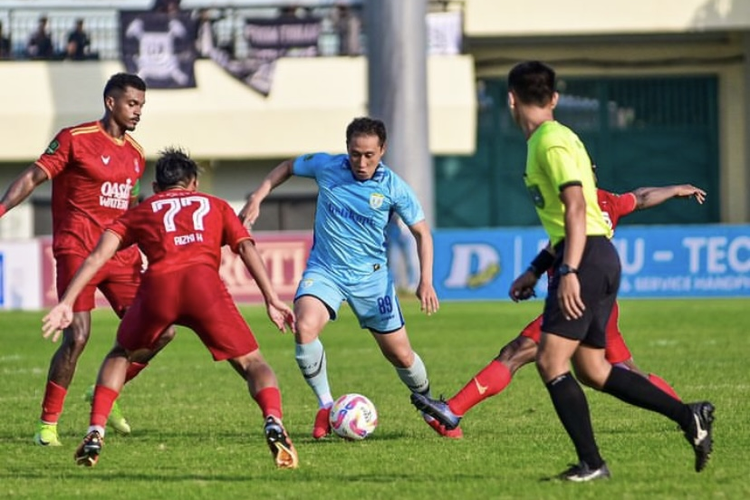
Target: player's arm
{"type": "Point", "coordinates": [280, 174]}
{"type": "Point", "coordinates": [569, 291]}
{"type": "Point", "coordinates": [647, 197]}
{"type": "Point", "coordinates": [61, 315]}
{"type": "Point", "coordinates": [425, 250]}
{"type": "Point", "coordinates": [22, 187]}
{"type": "Point", "coordinates": [522, 287]}
{"type": "Point", "coordinates": [278, 311]}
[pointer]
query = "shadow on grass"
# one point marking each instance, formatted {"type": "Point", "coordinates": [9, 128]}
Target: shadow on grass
{"type": "Point", "coordinates": [104, 475]}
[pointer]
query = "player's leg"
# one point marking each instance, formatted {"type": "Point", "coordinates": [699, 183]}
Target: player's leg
{"type": "Point", "coordinates": [316, 302]}
{"type": "Point", "coordinates": [618, 354]}
{"type": "Point", "coordinates": [695, 420]}
{"type": "Point", "coordinates": [377, 308]}
{"type": "Point", "coordinates": [123, 278]}
{"type": "Point", "coordinates": [64, 360]}
{"type": "Point", "coordinates": [104, 395]}
{"type": "Point", "coordinates": [571, 406]}
{"type": "Point", "coordinates": [223, 330]}
{"type": "Point", "coordinates": [560, 340]}
{"type": "Point", "coordinates": [489, 381]}
{"type": "Point", "coordinates": [139, 329]}
{"type": "Point", "coordinates": [264, 389]}
{"type": "Point", "coordinates": [496, 376]}
{"type": "Point", "coordinates": [119, 286]}
{"type": "Point", "coordinates": [61, 370]}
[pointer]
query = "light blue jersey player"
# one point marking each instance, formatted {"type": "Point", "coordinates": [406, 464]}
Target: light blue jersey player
{"type": "Point", "coordinates": [348, 259]}
{"type": "Point", "coordinates": [357, 195]}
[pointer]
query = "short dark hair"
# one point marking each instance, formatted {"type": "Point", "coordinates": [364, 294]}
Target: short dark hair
{"type": "Point", "coordinates": [533, 82]}
{"type": "Point", "coordinates": [175, 168]}
{"type": "Point", "coordinates": [366, 126]}
{"type": "Point", "coordinates": [119, 83]}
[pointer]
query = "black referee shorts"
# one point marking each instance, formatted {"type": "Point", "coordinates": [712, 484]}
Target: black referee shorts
{"type": "Point", "coordinates": [599, 275]}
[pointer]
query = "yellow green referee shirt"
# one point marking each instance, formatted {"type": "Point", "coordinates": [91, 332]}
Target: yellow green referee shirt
{"type": "Point", "coordinates": [556, 158]}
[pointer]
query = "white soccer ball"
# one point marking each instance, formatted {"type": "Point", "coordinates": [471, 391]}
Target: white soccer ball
{"type": "Point", "coordinates": [353, 417]}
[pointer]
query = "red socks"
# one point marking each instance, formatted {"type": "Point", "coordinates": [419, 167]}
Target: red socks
{"type": "Point", "coordinates": [492, 379]}
{"type": "Point", "coordinates": [269, 400]}
{"type": "Point", "coordinates": [52, 405]}
{"type": "Point", "coordinates": [104, 398]}
{"type": "Point", "coordinates": [663, 385]}
{"type": "Point", "coordinates": [133, 370]}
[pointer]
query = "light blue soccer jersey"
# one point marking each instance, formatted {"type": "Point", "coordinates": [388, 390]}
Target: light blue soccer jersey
{"type": "Point", "coordinates": [351, 215]}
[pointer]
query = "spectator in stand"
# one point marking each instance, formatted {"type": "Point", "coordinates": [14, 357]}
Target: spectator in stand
{"type": "Point", "coordinates": [40, 43]}
{"type": "Point", "coordinates": [205, 38]}
{"type": "Point", "coordinates": [78, 43]}
{"type": "Point", "coordinates": [349, 28]}
{"type": "Point", "coordinates": [5, 51]}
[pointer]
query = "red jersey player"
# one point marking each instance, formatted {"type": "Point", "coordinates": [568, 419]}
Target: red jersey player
{"type": "Point", "coordinates": [181, 232]}
{"type": "Point", "coordinates": [95, 169]}
{"type": "Point", "coordinates": [520, 351]}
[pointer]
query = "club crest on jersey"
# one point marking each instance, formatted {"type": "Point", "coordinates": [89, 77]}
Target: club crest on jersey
{"type": "Point", "coordinates": [376, 200]}
{"type": "Point", "coordinates": [52, 147]}
{"type": "Point", "coordinates": [306, 283]}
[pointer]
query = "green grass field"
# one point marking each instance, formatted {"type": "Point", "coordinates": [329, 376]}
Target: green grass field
{"type": "Point", "coordinates": [197, 434]}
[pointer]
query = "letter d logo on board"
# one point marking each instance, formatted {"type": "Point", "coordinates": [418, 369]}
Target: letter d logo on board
{"type": "Point", "coordinates": [472, 265]}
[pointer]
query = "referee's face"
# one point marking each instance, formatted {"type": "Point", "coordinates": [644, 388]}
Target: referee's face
{"type": "Point", "coordinates": [365, 153]}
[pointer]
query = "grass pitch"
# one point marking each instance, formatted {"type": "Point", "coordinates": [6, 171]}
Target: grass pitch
{"type": "Point", "coordinates": [197, 434]}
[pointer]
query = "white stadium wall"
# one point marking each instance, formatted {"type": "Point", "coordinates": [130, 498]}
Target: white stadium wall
{"type": "Point", "coordinates": [311, 101]}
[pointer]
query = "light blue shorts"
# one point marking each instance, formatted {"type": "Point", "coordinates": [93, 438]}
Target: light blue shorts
{"type": "Point", "coordinates": [373, 299]}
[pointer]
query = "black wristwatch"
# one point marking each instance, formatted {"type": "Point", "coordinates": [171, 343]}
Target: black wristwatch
{"type": "Point", "coordinates": [566, 269]}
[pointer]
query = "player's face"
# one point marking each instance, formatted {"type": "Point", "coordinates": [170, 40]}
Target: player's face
{"type": "Point", "coordinates": [365, 153]}
{"type": "Point", "coordinates": [126, 109]}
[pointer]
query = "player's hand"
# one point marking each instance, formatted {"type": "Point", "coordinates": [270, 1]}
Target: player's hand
{"type": "Point", "coordinates": [522, 287]}
{"type": "Point", "coordinates": [569, 296]}
{"type": "Point", "coordinates": [59, 318]}
{"type": "Point", "coordinates": [427, 298]}
{"type": "Point", "coordinates": [687, 190]}
{"type": "Point", "coordinates": [250, 212]}
{"type": "Point", "coordinates": [281, 315]}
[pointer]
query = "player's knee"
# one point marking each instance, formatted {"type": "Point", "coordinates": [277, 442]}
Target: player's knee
{"type": "Point", "coordinates": [592, 376]}
{"type": "Point", "coordinates": [167, 335]}
{"type": "Point", "coordinates": [77, 337]}
{"type": "Point", "coordinates": [545, 367]}
{"type": "Point", "coordinates": [308, 329]}
{"type": "Point", "coordinates": [400, 358]}
{"type": "Point", "coordinates": [517, 353]}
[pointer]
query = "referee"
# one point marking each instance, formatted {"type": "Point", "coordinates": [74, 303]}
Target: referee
{"type": "Point", "coordinates": [586, 277]}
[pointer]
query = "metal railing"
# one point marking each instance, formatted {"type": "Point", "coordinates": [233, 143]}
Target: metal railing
{"type": "Point", "coordinates": [103, 28]}
{"type": "Point", "coordinates": [102, 24]}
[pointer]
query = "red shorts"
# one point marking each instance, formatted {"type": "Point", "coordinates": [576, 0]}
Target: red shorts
{"type": "Point", "coordinates": [194, 297]}
{"type": "Point", "coordinates": [118, 280]}
{"type": "Point", "coordinates": [616, 351]}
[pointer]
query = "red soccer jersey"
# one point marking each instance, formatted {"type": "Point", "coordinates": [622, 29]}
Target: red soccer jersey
{"type": "Point", "coordinates": [93, 178]}
{"type": "Point", "coordinates": [180, 228]}
{"type": "Point", "coordinates": [615, 206]}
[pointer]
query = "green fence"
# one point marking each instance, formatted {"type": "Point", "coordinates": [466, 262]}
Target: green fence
{"type": "Point", "coordinates": [640, 131]}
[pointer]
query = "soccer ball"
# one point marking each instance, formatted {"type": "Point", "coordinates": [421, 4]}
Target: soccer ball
{"type": "Point", "coordinates": [353, 417]}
